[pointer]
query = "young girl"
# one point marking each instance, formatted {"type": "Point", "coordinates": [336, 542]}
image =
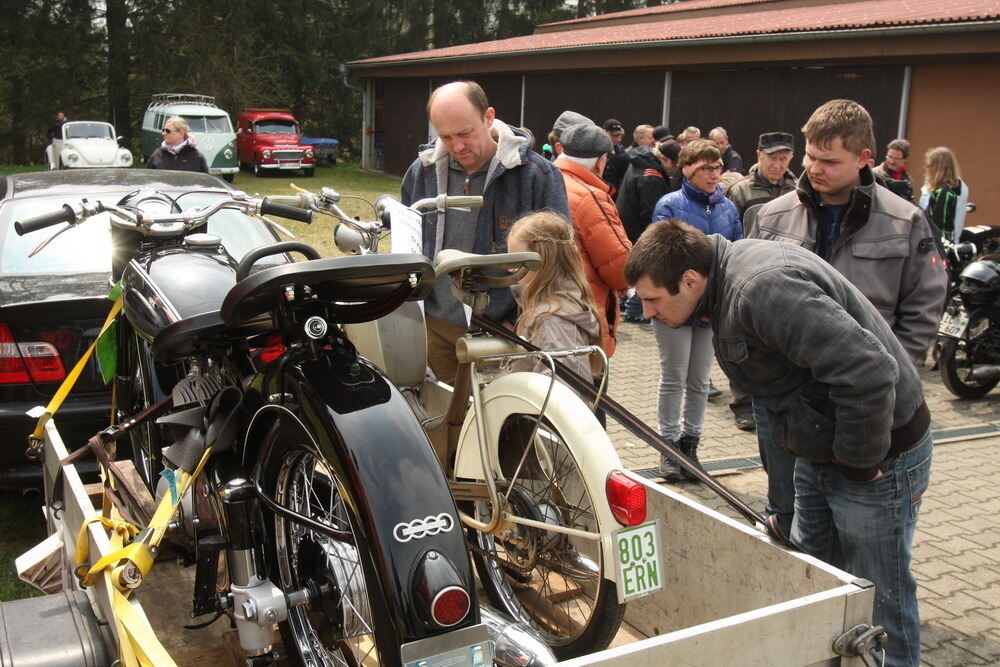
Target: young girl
{"type": "Point", "coordinates": [557, 310]}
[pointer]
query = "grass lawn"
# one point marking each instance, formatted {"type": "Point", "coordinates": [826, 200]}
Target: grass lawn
{"type": "Point", "coordinates": [21, 523]}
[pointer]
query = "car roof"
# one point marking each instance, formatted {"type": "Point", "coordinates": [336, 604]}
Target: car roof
{"type": "Point", "coordinates": [76, 122]}
{"type": "Point", "coordinates": [182, 109]}
{"type": "Point", "coordinates": [260, 114]}
{"type": "Point", "coordinates": [96, 181]}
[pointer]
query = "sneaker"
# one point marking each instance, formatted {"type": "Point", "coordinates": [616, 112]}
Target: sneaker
{"type": "Point", "coordinates": [636, 320]}
{"type": "Point", "coordinates": [745, 421]}
{"type": "Point", "coordinates": [670, 470]}
{"type": "Point", "coordinates": [713, 391]}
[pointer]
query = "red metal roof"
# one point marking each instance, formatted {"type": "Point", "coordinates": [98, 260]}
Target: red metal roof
{"type": "Point", "coordinates": [685, 6]}
{"type": "Point", "coordinates": [862, 15]}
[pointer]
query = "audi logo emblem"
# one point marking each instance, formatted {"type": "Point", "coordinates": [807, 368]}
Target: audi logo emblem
{"type": "Point", "coordinates": [420, 528]}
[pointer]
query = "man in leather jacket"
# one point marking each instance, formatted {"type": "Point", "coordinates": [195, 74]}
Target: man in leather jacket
{"type": "Point", "coordinates": [840, 392]}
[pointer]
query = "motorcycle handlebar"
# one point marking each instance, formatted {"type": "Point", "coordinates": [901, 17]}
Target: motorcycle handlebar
{"type": "Point", "coordinates": [269, 207]}
{"type": "Point", "coordinates": [64, 214]}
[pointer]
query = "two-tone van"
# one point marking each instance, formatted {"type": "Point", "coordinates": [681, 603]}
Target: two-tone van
{"type": "Point", "coordinates": [211, 128]}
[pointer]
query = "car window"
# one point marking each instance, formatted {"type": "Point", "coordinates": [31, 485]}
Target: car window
{"type": "Point", "coordinates": [209, 123]}
{"type": "Point", "coordinates": [275, 126]}
{"type": "Point", "coordinates": [87, 131]}
{"type": "Point", "coordinates": [86, 248]}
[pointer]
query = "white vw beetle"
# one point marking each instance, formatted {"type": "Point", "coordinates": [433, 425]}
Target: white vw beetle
{"type": "Point", "coordinates": [86, 144]}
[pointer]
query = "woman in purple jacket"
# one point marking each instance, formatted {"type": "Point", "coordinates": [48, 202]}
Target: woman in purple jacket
{"type": "Point", "coordinates": [686, 352]}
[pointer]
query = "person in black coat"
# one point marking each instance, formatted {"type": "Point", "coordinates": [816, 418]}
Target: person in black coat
{"type": "Point", "coordinates": [55, 126]}
{"type": "Point", "coordinates": [618, 159]}
{"type": "Point", "coordinates": [178, 152]}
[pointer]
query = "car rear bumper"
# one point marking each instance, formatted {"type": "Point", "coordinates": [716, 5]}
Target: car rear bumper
{"type": "Point", "coordinates": [78, 419]}
{"type": "Point", "coordinates": [287, 165]}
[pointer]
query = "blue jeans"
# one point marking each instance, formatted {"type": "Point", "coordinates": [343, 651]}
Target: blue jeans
{"type": "Point", "coordinates": [866, 528]}
{"type": "Point", "coordinates": [631, 307]}
{"type": "Point", "coordinates": [780, 467]}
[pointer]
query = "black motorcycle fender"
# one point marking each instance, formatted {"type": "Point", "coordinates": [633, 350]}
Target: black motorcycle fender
{"type": "Point", "coordinates": [369, 435]}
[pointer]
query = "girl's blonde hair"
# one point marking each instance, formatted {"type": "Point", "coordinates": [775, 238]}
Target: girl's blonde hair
{"type": "Point", "coordinates": [941, 169]}
{"type": "Point", "coordinates": [551, 237]}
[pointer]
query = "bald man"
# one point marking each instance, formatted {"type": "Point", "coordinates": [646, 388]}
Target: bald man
{"type": "Point", "coordinates": [474, 154]}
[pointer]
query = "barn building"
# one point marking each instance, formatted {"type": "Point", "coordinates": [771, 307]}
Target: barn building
{"type": "Point", "coordinates": [927, 70]}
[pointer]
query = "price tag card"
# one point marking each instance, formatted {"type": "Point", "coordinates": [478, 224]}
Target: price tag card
{"type": "Point", "coordinates": [640, 568]}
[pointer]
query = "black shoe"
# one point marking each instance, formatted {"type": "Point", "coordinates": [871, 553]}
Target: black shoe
{"type": "Point", "coordinates": [745, 421]}
{"type": "Point", "coordinates": [688, 444]}
{"type": "Point", "coordinates": [713, 391]}
{"type": "Point", "coordinates": [670, 470]}
{"type": "Point", "coordinates": [636, 320]}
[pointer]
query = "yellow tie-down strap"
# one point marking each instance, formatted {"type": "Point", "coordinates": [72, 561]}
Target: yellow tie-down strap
{"type": "Point", "coordinates": [70, 380]}
{"type": "Point", "coordinates": [126, 566]}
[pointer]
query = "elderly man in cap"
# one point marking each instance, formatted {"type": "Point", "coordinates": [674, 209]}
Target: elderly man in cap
{"type": "Point", "coordinates": [617, 158]}
{"type": "Point", "coordinates": [474, 154]}
{"type": "Point", "coordinates": [598, 230]}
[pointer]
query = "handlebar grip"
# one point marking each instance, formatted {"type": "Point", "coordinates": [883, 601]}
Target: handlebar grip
{"type": "Point", "coordinates": [64, 214]}
{"type": "Point", "coordinates": [463, 200]}
{"type": "Point", "coordinates": [249, 259]}
{"type": "Point", "coordinates": [267, 207]}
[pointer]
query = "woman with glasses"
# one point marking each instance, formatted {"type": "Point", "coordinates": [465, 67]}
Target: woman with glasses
{"type": "Point", "coordinates": [178, 152]}
{"type": "Point", "coordinates": [686, 352]}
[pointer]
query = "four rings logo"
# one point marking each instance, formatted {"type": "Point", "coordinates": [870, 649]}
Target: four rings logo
{"type": "Point", "coordinates": [419, 528]}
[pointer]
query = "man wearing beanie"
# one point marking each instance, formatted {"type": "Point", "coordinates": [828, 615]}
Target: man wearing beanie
{"type": "Point", "coordinates": [598, 230]}
{"type": "Point", "coordinates": [614, 172]}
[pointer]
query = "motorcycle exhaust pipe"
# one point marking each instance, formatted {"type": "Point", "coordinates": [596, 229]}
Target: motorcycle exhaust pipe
{"type": "Point", "coordinates": [516, 644]}
{"type": "Point", "coordinates": [985, 373]}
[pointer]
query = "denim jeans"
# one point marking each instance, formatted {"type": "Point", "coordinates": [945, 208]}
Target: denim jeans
{"type": "Point", "coordinates": [685, 365]}
{"type": "Point", "coordinates": [866, 528]}
{"type": "Point", "coordinates": [780, 468]}
{"type": "Point", "coordinates": [631, 307]}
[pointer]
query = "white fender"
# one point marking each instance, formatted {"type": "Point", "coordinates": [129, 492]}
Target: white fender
{"type": "Point", "coordinates": [49, 158]}
{"type": "Point", "coordinates": [524, 393]}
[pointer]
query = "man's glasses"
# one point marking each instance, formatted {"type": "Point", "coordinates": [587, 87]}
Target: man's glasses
{"type": "Point", "coordinates": [708, 169]}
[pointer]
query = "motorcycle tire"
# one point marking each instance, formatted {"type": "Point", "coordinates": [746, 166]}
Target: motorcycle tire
{"type": "Point", "coordinates": [554, 582]}
{"type": "Point", "coordinates": [956, 368]}
{"type": "Point", "coordinates": [338, 625]}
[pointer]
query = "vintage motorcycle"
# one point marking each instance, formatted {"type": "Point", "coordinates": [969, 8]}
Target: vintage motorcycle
{"type": "Point", "coordinates": [969, 333]}
{"type": "Point", "coordinates": [311, 475]}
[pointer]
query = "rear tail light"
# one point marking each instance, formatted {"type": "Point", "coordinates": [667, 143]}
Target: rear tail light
{"type": "Point", "coordinates": [627, 498]}
{"type": "Point", "coordinates": [21, 363]}
{"type": "Point", "coordinates": [274, 347]}
{"type": "Point", "coordinates": [450, 606]}
{"type": "Point", "coordinates": [441, 596]}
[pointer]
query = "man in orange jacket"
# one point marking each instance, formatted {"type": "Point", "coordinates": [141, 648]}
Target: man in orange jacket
{"type": "Point", "coordinates": [598, 230]}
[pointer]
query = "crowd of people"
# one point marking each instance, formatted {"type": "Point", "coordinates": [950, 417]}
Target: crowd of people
{"type": "Point", "coordinates": [817, 294]}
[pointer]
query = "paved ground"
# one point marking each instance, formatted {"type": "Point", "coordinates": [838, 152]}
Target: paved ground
{"type": "Point", "coordinates": [956, 556]}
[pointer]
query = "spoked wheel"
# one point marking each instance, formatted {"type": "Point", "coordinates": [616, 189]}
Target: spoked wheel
{"type": "Point", "coordinates": [136, 396]}
{"type": "Point", "coordinates": [959, 361]}
{"type": "Point", "coordinates": [336, 626]}
{"type": "Point", "coordinates": [551, 580]}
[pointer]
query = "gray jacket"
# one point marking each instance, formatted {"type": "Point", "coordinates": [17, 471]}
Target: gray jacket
{"type": "Point", "coordinates": [885, 248]}
{"type": "Point", "coordinates": [811, 349]}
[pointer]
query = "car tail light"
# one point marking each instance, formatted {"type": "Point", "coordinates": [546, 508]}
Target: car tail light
{"type": "Point", "coordinates": [28, 362]}
{"type": "Point", "coordinates": [274, 347]}
{"type": "Point", "coordinates": [627, 498]}
{"type": "Point", "coordinates": [450, 606]}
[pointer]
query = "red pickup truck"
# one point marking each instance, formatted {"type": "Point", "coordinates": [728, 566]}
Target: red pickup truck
{"type": "Point", "coordinates": [270, 139]}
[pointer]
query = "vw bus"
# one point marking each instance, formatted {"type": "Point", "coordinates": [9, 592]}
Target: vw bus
{"type": "Point", "coordinates": [210, 126]}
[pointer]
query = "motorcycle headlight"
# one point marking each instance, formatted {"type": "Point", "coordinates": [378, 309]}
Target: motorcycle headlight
{"type": "Point", "coordinates": [266, 154]}
{"type": "Point", "coordinates": [309, 152]}
{"type": "Point", "coordinates": [228, 154]}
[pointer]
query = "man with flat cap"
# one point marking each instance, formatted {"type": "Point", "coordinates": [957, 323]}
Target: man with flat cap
{"type": "Point", "coordinates": [768, 178]}
{"type": "Point", "coordinates": [617, 158]}
{"type": "Point", "coordinates": [598, 230]}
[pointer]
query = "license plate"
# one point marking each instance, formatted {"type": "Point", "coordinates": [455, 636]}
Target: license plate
{"type": "Point", "coordinates": [468, 647]}
{"type": "Point", "coordinates": [288, 166]}
{"type": "Point", "coordinates": [953, 325]}
{"type": "Point", "coordinates": [638, 562]}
